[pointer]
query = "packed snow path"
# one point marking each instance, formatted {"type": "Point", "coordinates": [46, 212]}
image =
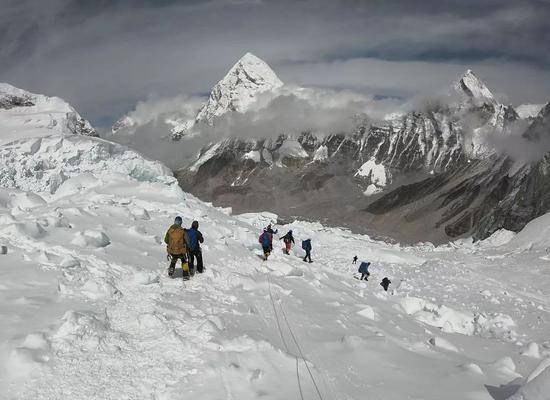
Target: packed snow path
{"type": "Point", "coordinates": [88, 312]}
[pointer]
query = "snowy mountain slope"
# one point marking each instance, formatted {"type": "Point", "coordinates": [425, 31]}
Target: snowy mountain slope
{"type": "Point", "coordinates": [90, 313]}
{"type": "Point", "coordinates": [24, 114]}
{"type": "Point", "coordinates": [238, 89]}
{"type": "Point", "coordinates": [473, 90]}
{"type": "Point", "coordinates": [454, 137]}
{"type": "Point", "coordinates": [527, 111]}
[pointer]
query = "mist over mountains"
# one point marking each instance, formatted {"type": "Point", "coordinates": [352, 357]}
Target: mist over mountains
{"type": "Point", "coordinates": [434, 168]}
{"type": "Point", "coordinates": [431, 168]}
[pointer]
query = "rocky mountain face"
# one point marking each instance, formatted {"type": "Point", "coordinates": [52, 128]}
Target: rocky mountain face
{"type": "Point", "coordinates": [427, 174]}
{"type": "Point", "coordinates": [238, 89]}
{"type": "Point", "coordinates": [478, 197]}
{"type": "Point", "coordinates": [25, 114]}
{"type": "Point", "coordinates": [236, 92]}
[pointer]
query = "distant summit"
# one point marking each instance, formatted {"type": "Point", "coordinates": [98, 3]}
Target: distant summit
{"type": "Point", "coordinates": [473, 90]}
{"type": "Point", "coordinates": [238, 89]}
{"type": "Point", "coordinates": [236, 92]}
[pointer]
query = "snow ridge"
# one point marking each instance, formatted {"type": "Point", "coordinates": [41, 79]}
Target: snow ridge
{"type": "Point", "coordinates": [24, 114]}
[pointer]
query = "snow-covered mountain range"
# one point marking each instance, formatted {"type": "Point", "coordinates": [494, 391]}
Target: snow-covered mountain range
{"type": "Point", "coordinates": [87, 310]}
{"type": "Point", "coordinates": [340, 176]}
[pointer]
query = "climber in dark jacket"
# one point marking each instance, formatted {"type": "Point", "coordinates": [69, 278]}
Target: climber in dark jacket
{"type": "Point", "coordinates": [288, 239]}
{"type": "Point", "coordinates": [364, 270]}
{"type": "Point", "coordinates": [306, 245]}
{"type": "Point", "coordinates": [266, 240]}
{"type": "Point", "coordinates": [385, 283]}
{"type": "Point", "coordinates": [194, 240]}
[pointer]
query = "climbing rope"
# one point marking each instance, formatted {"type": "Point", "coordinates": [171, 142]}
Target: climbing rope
{"type": "Point", "coordinates": [283, 338]}
{"type": "Point", "coordinates": [294, 340]}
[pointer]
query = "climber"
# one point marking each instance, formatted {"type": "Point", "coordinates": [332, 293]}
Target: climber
{"type": "Point", "coordinates": [194, 240]}
{"type": "Point", "coordinates": [364, 270]}
{"type": "Point", "coordinates": [355, 259]}
{"type": "Point", "coordinates": [288, 239]}
{"type": "Point", "coordinates": [176, 240]}
{"type": "Point", "coordinates": [385, 283]}
{"type": "Point", "coordinates": [266, 240]}
{"type": "Point", "coordinates": [306, 245]}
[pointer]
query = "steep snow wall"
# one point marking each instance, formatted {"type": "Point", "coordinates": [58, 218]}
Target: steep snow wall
{"type": "Point", "coordinates": [43, 164]}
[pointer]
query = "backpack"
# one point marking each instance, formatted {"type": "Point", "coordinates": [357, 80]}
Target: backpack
{"type": "Point", "coordinates": [264, 239]}
{"type": "Point", "coordinates": [306, 245]}
{"type": "Point", "coordinates": [364, 267]}
{"type": "Point", "coordinates": [193, 237]}
{"type": "Point", "coordinates": [176, 241]}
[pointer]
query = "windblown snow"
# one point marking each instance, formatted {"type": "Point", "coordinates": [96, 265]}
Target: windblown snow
{"type": "Point", "coordinates": [87, 311]}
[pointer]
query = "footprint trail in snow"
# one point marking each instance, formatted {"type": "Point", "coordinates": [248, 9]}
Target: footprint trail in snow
{"type": "Point", "coordinates": [88, 312]}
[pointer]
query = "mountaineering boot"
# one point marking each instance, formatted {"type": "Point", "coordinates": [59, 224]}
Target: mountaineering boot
{"type": "Point", "coordinates": [171, 272]}
{"type": "Point", "coordinates": [185, 267]}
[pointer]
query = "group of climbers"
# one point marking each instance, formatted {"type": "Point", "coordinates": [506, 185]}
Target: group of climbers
{"type": "Point", "coordinates": [364, 271]}
{"type": "Point", "coordinates": [266, 240]}
{"type": "Point", "coordinates": [184, 244]}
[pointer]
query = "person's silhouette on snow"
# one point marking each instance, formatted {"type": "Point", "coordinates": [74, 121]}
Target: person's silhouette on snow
{"type": "Point", "coordinates": [176, 241]}
{"type": "Point", "coordinates": [385, 283]}
{"type": "Point", "coordinates": [306, 245]}
{"type": "Point", "coordinates": [266, 240]}
{"type": "Point", "coordinates": [355, 259]}
{"type": "Point", "coordinates": [194, 240]}
{"type": "Point", "coordinates": [364, 270]}
{"type": "Point", "coordinates": [288, 239]}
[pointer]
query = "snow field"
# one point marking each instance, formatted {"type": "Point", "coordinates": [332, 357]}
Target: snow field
{"type": "Point", "coordinates": [90, 313]}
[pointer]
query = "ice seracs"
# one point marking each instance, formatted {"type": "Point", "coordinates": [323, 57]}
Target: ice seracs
{"type": "Point", "coordinates": [239, 88]}
{"type": "Point", "coordinates": [24, 114]}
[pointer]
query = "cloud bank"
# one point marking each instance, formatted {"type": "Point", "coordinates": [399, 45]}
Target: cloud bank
{"type": "Point", "coordinates": [105, 56]}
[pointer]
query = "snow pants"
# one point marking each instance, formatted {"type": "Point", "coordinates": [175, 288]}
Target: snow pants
{"type": "Point", "coordinates": [288, 246]}
{"type": "Point", "coordinates": [198, 255]}
{"type": "Point", "coordinates": [174, 260]}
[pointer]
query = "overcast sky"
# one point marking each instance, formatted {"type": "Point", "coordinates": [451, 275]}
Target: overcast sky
{"type": "Point", "coordinates": [103, 56]}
